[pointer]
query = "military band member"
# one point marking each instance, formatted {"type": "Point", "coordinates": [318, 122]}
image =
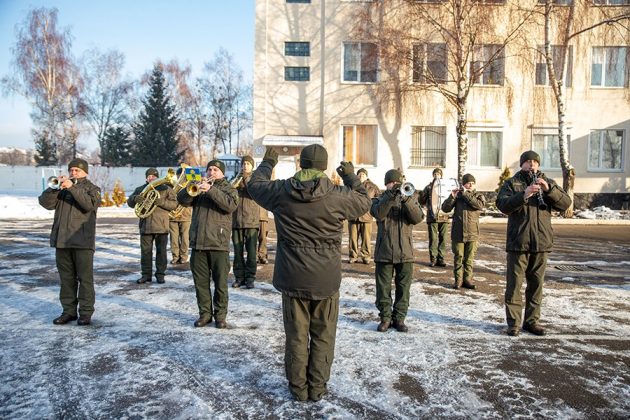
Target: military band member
{"type": "Point", "coordinates": [179, 227]}
{"type": "Point", "coordinates": [360, 229]}
{"type": "Point", "coordinates": [437, 220]}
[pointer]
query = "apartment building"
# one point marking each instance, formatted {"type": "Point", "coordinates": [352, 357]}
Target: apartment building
{"type": "Point", "coordinates": [315, 81]}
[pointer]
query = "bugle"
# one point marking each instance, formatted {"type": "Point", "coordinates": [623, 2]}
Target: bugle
{"type": "Point", "coordinates": [407, 189]}
{"type": "Point", "coordinates": [193, 189]}
{"type": "Point", "coordinates": [54, 182]}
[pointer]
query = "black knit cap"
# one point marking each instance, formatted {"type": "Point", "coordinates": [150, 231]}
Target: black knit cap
{"type": "Point", "coordinates": [78, 163]}
{"type": "Point", "coordinates": [151, 171]}
{"type": "Point", "coordinates": [314, 156]}
{"type": "Point", "coordinates": [247, 158]}
{"type": "Point", "coordinates": [393, 175]}
{"type": "Point", "coordinates": [530, 155]}
{"type": "Point", "coordinates": [362, 171]}
{"type": "Point", "coordinates": [217, 163]}
{"type": "Point", "coordinates": [468, 178]}
{"type": "Point", "coordinates": [437, 171]}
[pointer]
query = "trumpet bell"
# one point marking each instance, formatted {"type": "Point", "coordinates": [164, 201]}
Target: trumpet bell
{"type": "Point", "coordinates": [407, 189]}
{"type": "Point", "coordinates": [53, 183]}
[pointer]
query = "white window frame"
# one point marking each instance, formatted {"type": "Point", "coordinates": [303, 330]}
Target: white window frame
{"type": "Point", "coordinates": [626, 70]}
{"type": "Point", "coordinates": [355, 151]}
{"type": "Point", "coordinates": [601, 145]}
{"type": "Point", "coordinates": [477, 165]}
{"type": "Point", "coordinates": [481, 51]}
{"type": "Point", "coordinates": [547, 133]}
{"type": "Point", "coordinates": [540, 61]}
{"type": "Point", "coordinates": [343, 62]}
{"type": "Point", "coordinates": [425, 60]}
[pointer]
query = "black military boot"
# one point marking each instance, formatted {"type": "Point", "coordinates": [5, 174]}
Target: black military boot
{"type": "Point", "coordinates": [236, 284]}
{"type": "Point", "coordinates": [400, 326]}
{"type": "Point", "coordinates": [468, 285]}
{"type": "Point", "coordinates": [534, 329]}
{"type": "Point", "coordinates": [383, 326]}
{"type": "Point", "coordinates": [143, 280]}
{"type": "Point", "coordinates": [84, 320]}
{"type": "Point", "coordinates": [64, 319]}
{"type": "Point", "coordinates": [202, 321]}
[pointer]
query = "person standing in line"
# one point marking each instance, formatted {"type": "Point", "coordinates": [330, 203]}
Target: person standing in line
{"type": "Point", "coordinates": [309, 211]}
{"type": "Point", "coordinates": [395, 215]}
{"type": "Point", "coordinates": [467, 203]}
{"type": "Point", "coordinates": [263, 232]}
{"type": "Point", "coordinates": [361, 227]}
{"type": "Point", "coordinates": [73, 235]}
{"type": "Point", "coordinates": [154, 228]}
{"type": "Point", "coordinates": [179, 229]}
{"type": "Point", "coordinates": [437, 220]}
{"type": "Point", "coordinates": [210, 242]}
{"type": "Point", "coordinates": [528, 198]}
{"type": "Point", "coordinates": [245, 224]}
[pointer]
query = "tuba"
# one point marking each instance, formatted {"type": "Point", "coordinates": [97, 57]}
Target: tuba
{"type": "Point", "coordinates": [151, 196]}
{"type": "Point", "coordinates": [178, 185]}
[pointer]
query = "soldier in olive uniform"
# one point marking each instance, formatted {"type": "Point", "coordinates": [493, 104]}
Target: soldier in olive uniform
{"type": "Point", "coordinates": [210, 242]}
{"type": "Point", "coordinates": [154, 228]}
{"type": "Point", "coordinates": [528, 202]}
{"type": "Point", "coordinates": [437, 222]}
{"type": "Point", "coordinates": [361, 227]}
{"type": "Point", "coordinates": [245, 224]}
{"type": "Point", "coordinates": [395, 216]}
{"type": "Point", "coordinates": [179, 229]}
{"type": "Point", "coordinates": [465, 229]}
{"type": "Point", "coordinates": [73, 234]}
{"type": "Point", "coordinates": [309, 211]}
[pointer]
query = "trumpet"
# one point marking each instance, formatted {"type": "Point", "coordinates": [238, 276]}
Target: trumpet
{"type": "Point", "coordinates": [237, 181]}
{"type": "Point", "coordinates": [193, 189]}
{"type": "Point", "coordinates": [55, 182]}
{"type": "Point", "coordinates": [407, 189]}
{"type": "Point", "coordinates": [541, 200]}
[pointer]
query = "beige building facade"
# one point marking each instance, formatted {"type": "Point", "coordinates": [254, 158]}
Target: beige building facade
{"type": "Point", "coordinates": [315, 82]}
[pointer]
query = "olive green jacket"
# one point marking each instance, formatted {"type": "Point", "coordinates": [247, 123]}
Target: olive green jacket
{"type": "Point", "coordinates": [529, 228]}
{"type": "Point", "coordinates": [158, 221]}
{"type": "Point", "coordinates": [468, 205]}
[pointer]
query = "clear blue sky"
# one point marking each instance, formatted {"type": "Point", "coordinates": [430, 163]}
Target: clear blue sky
{"type": "Point", "coordinates": [190, 31]}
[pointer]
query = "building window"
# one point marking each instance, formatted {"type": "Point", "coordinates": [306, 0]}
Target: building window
{"type": "Point", "coordinates": [611, 2]}
{"type": "Point", "coordinates": [484, 148]}
{"type": "Point", "coordinates": [299, 49]}
{"type": "Point", "coordinates": [297, 74]}
{"type": "Point", "coordinates": [548, 148]}
{"type": "Point", "coordinates": [359, 144]}
{"type": "Point", "coordinates": [429, 63]}
{"type": "Point", "coordinates": [606, 149]}
{"type": "Point", "coordinates": [488, 65]}
{"type": "Point", "coordinates": [428, 146]}
{"type": "Point", "coordinates": [557, 54]}
{"type": "Point", "coordinates": [558, 2]}
{"type": "Point", "coordinates": [360, 62]}
{"type": "Point", "coordinates": [609, 66]}
{"type": "Point", "coordinates": [298, 1]}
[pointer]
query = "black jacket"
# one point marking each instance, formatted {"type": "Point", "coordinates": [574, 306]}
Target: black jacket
{"type": "Point", "coordinates": [74, 225]}
{"type": "Point", "coordinates": [309, 219]}
{"type": "Point", "coordinates": [529, 228]}
{"type": "Point", "coordinates": [395, 216]}
{"type": "Point", "coordinates": [468, 205]}
{"type": "Point", "coordinates": [158, 221]}
{"type": "Point", "coordinates": [211, 225]}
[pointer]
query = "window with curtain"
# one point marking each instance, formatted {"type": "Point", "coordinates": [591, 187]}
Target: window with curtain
{"type": "Point", "coordinates": [359, 144]}
{"type": "Point", "coordinates": [610, 66]}
{"type": "Point", "coordinates": [484, 148]}
{"type": "Point", "coordinates": [428, 146]}
{"type": "Point", "coordinates": [488, 65]}
{"type": "Point", "coordinates": [606, 149]}
{"type": "Point", "coordinates": [542, 76]}
{"type": "Point", "coordinates": [430, 63]}
{"type": "Point", "coordinates": [548, 147]}
{"type": "Point", "coordinates": [360, 62]}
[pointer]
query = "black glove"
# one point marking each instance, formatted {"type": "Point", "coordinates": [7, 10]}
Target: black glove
{"type": "Point", "coordinates": [345, 169]}
{"type": "Point", "coordinates": [271, 156]}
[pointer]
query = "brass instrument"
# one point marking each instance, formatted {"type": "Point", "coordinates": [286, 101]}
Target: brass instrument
{"type": "Point", "coordinates": [151, 196]}
{"type": "Point", "coordinates": [178, 185]}
{"type": "Point", "coordinates": [193, 188]}
{"type": "Point", "coordinates": [541, 200]}
{"type": "Point", "coordinates": [237, 181]}
{"type": "Point", "coordinates": [55, 182]}
{"type": "Point", "coordinates": [407, 189]}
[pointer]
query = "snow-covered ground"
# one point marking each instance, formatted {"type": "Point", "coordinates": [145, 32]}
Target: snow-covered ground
{"type": "Point", "coordinates": [142, 358]}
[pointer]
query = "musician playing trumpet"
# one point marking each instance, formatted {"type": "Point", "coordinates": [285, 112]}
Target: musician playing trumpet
{"type": "Point", "coordinates": [210, 231]}
{"type": "Point", "coordinates": [73, 235]}
{"type": "Point", "coordinates": [467, 203]}
{"type": "Point", "coordinates": [529, 238]}
{"type": "Point", "coordinates": [154, 226]}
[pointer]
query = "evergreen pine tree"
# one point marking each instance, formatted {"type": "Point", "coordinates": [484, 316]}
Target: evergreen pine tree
{"type": "Point", "coordinates": [45, 152]}
{"type": "Point", "coordinates": [116, 145]}
{"type": "Point", "coordinates": [156, 127]}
